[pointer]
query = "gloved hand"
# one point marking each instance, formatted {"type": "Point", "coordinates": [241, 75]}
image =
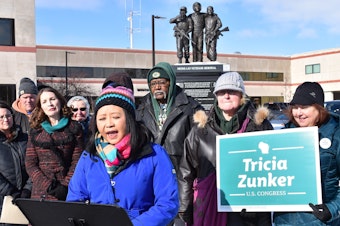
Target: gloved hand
{"type": "Point", "coordinates": [59, 191]}
{"type": "Point", "coordinates": [15, 195]}
{"type": "Point", "coordinates": [321, 212]}
{"type": "Point", "coordinates": [246, 214]}
{"type": "Point", "coordinates": [25, 193]}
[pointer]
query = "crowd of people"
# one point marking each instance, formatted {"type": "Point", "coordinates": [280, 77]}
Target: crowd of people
{"type": "Point", "coordinates": [156, 160]}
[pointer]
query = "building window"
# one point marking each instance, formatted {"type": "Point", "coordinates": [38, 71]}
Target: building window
{"type": "Point", "coordinates": [7, 32]}
{"type": "Point", "coordinates": [313, 68]}
{"type": "Point", "coordinates": [7, 93]}
{"type": "Point", "coordinates": [272, 75]}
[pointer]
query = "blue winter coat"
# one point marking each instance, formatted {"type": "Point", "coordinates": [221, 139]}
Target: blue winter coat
{"type": "Point", "coordinates": [330, 176]}
{"type": "Point", "coordinates": [146, 188]}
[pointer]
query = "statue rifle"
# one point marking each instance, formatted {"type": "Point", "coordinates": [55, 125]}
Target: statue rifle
{"type": "Point", "coordinates": [183, 33]}
{"type": "Point", "coordinates": [218, 33]}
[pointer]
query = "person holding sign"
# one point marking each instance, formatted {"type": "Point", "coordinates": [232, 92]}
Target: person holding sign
{"type": "Point", "coordinates": [232, 112]}
{"type": "Point", "coordinates": [307, 109]}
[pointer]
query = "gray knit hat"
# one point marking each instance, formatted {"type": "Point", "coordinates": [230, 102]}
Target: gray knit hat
{"type": "Point", "coordinates": [231, 81]}
{"type": "Point", "coordinates": [27, 86]}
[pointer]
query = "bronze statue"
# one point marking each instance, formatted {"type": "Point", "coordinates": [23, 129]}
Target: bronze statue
{"type": "Point", "coordinates": [212, 25]}
{"type": "Point", "coordinates": [198, 24]}
{"type": "Point", "coordinates": [181, 31]}
{"type": "Point", "coordinates": [197, 18]}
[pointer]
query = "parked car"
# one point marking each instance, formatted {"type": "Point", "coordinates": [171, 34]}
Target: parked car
{"type": "Point", "coordinates": [333, 106]}
{"type": "Point", "coordinates": [278, 120]}
{"type": "Point", "coordinates": [276, 106]}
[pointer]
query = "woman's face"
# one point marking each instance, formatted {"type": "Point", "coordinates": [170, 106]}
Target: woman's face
{"type": "Point", "coordinates": [78, 110]}
{"type": "Point", "coordinates": [305, 115]}
{"type": "Point", "coordinates": [111, 123]}
{"type": "Point", "coordinates": [50, 104]}
{"type": "Point", "coordinates": [229, 101]}
{"type": "Point", "coordinates": [6, 120]}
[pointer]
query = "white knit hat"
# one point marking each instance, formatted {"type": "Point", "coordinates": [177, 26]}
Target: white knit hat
{"type": "Point", "coordinates": [231, 81]}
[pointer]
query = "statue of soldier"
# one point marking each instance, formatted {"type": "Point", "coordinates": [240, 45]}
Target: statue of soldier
{"type": "Point", "coordinates": [181, 31]}
{"type": "Point", "coordinates": [197, 32]}
{"type": "Point", "coordinates": [212, 26]}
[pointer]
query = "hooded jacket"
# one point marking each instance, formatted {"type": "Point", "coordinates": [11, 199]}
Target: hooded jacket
{"type": "Point", "coordinates": [179, 117]}
{"type": "Point", "coordinates": [20, 116]}
{"type": "Point", "coordinates": [199, 160]}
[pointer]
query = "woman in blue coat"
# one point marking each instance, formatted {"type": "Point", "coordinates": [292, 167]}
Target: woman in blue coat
{"type": "Point", "coordinates": [121, 166]}
{"type": "Point", "coordinates": [307, 109]}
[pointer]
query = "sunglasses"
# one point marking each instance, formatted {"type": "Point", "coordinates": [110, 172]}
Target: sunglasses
{"type": "Point", "coordinates": [76, 109]}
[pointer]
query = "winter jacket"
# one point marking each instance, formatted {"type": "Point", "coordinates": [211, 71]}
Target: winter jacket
{"type": "Point", "coordinates": [330, 174]}
{"type": "Point", "coordinates": [20, 116]}
{"type": "Point", "coordinates": [177, 125]}
{"type": "Point", "coordinates": [52, 158]}
{"type": "Point", "coordinates": [146, 188]}
{"type": "Point", "coordinates": [13, 175]}
{"type": "Point", "coordinates": [199, 160]}
{"type": "Point", "coordinates": [179, 122]}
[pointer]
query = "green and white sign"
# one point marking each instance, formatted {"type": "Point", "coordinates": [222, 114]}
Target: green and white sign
{"type": "Point", "coordinates": [277, 170]}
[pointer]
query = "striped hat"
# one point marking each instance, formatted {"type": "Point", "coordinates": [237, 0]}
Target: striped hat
{"type": "Point", "coordinates": [114, 94]}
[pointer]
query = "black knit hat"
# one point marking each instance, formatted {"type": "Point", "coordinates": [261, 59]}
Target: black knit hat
{"type": "Point", "coordinates": [308, 93]}
{"type": "Point", "coordinates": [27, 86]}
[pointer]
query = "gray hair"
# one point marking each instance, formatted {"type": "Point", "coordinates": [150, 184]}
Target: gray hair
{"type": "Point", "coordinates": [80, 98]}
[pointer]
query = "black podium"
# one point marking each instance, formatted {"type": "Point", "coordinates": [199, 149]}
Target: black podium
{"type": "Point", "coordinates": [59, 213]}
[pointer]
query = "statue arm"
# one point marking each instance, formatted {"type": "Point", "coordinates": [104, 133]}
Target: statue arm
{"type": "Point", "coordinates": [174, 20]}
{"type": "Point", "coordinates": [218, 23]}
{"type": "Point", "coordinates": [190, 22]}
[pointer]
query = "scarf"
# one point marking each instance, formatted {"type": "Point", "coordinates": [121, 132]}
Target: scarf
{"type": "Point", "coordinates": [228, 126]}
{"type": "Point", "coordinates": [46, 125]}
{"type": "Point", "coordinates": [113, 155]}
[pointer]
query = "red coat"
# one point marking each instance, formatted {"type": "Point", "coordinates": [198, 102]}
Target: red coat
{"type": "Point", "coordinates": [52, 157]}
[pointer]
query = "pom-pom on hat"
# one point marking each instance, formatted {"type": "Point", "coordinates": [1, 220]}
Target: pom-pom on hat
{"type": "Point", "coordinates": [27, 86]}
{"type": "Point", "coordinates": [230, 81]}
{"type": "Point", "coordinates": [114, 94]}
{"type": "Point", "coordinates": [308, 93]}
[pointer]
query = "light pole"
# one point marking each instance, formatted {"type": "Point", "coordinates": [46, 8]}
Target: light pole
{"type": "Point", "coordinates": [153, 36]}
{"type": "Point", "coordinates": [66, 74]}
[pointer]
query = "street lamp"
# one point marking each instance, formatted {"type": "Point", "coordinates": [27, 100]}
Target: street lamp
{"type": "Point", "coordinates": [66, 75]}
{"type": "Point", "coordinates": [153, 37]}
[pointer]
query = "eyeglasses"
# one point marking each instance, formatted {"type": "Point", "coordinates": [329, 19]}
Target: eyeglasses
{"type": "Point", "coordinates": [160, 83]}
{"type": "Point", "coordinates": [76, 109]}
{"type": "Point", "coordinates": [2, 117]}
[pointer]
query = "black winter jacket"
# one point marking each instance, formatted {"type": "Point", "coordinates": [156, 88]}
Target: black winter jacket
{"type": "Point", "coordinates": [176, 127]}
{"type": "Point", "coordinates": [13, 175]}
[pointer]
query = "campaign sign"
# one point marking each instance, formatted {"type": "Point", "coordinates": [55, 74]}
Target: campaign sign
{"type": "Point", "coordinates": [276, 170]}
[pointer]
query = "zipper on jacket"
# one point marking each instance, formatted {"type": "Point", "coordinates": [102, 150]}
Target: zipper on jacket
{"type": "Point", "coordinates": [113, 183]}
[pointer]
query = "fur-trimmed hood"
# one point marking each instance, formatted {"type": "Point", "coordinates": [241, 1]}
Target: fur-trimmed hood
{"type": "Point", "coordinates": [261, 113]}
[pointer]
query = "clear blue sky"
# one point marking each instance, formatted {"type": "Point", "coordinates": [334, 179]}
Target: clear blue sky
{"type": "Point", "coordinates": [258, 27]}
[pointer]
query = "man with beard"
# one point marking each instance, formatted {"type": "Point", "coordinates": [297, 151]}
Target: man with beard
{"type": "Point", "coordinates": [167, 111]}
